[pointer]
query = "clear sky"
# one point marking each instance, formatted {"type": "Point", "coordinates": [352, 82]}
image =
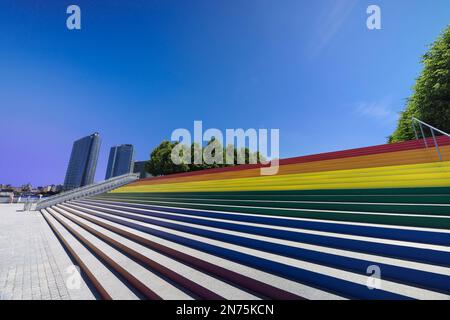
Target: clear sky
{"type": "Point", "coordinates": [140, 69]}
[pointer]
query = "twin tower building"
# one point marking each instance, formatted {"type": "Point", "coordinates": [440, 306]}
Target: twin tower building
{"type": "Point", "coordinates": [83, 161]}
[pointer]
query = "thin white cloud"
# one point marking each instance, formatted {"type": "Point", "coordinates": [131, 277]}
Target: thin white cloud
{"type": "Point", "coordinates": [329, 23]}
{"type": "Point", "coordinates": [380, 110]}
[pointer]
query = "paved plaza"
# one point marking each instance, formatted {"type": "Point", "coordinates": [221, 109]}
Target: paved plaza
{"type": "Point", "coordinates": [33, 264]}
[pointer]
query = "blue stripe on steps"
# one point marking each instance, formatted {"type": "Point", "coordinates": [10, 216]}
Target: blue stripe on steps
{"type": "Point", "coordinates": [323, 282]}
{"type": "Point", "coordinates": [429, 237]}
{"type": "Point", "coordinates": [389, 250]}
{"type": "Point", "coordinates": [405, 275]}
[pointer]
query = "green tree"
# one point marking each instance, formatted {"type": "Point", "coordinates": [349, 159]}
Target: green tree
{"type": "Point", "coordinates": [196, 153]}
{"type": "Point", "coordinates": [160, 162]}
{"type": "Point", "coordinates": [430, 101]}
{"type": "Point", "coordinates": [213, 151]}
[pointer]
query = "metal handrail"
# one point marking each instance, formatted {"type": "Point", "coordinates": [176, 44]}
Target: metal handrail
{"type": "Point", "coordinates": [431, 127]}
{"type": "Point", "coordinates": [89, 190]}
{"type": "Point", "coordinates": [432, 130]}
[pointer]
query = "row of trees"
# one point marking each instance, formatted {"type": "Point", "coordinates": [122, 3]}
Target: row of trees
{"type": "Point", "coordinates": [430, 101]}
{"type": "Point", "coordinates": [161, 160]}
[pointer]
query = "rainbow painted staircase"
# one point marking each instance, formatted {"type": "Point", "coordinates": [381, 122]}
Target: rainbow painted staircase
{"type": "Point", "coordinates": [324, 227]}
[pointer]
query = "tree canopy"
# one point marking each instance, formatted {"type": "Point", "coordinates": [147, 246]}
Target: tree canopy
{"type": "Point", "coordinates": [161, 163]}
{"type": "Point", "coordinates": [430, 100]}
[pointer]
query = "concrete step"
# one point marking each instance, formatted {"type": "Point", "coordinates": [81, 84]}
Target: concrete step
{"type": "Point", "coordinates": [271, 209]}
{"type": "Point", "coordinates": [141, 281]}
{"type": "Point", "coordinates": [185, 277]}
{"type": "Point", "coordinates": [410, 249]}
{"type": "Point", "coordinates": [319, 275]}
{"type": "Point", "coordinates": [106, 284]}
{"type": "Point", "coordinates": [345, 206]}
{"type": "Point", "coordinates": [405, 233]}
{"type": "Point", "coordinates": [226, 279]}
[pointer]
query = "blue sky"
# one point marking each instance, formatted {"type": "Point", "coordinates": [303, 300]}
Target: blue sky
{"type": "Point", "coordinates": [140, 69]}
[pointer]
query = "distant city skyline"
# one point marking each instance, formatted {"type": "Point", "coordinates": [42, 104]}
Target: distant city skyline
{"type": "Point", "coordinates": [137, 70]}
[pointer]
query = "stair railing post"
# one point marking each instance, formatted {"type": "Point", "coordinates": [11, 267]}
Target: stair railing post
{"type": "Point", "coordinates": [436, 145]}
{"type": "Point", "coordinates": [423, 134]}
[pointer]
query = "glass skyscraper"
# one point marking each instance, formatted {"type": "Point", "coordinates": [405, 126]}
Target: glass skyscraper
{"type": "Point", "coordinates": [121, 161]}
{"type": "Point", "coordinates": [83, 162]}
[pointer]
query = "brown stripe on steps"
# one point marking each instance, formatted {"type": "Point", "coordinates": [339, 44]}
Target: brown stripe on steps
{"type": "Point", "coordinates": [136, 283]}
{"type": "Point", "coordinates": [261, 288]}
{"type": "Point", "coordinates": [191, 286]}
{"type": "Point", "coordinates": [83, 267]}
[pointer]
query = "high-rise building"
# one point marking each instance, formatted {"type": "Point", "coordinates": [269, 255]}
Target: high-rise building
{"type": "Point", "coordinates": [121, 161]}
{"type": "Point", "coordinates": [139, 167]}
{"type": "Point", "coordinates": [83, 162]}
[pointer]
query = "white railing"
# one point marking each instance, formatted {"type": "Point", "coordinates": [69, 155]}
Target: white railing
{"type": "Point", "coordinates": [90, 190]}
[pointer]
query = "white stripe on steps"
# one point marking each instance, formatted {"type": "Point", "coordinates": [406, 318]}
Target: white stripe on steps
{"type": "Point", "coordinates": [313, 232]}
{"type": "Point", "coordinates": [390, 286]}
{"type": "Point", "coordinates": [303, 210]}
{"type": "Point", "coordinates": [319, 248]}
{"type": "Point", "coordinates": [213, 284]}
{"type": "Point", "coordinates": [148, 278]}
{"type": "Point", "coordinates": [364, 224]}
{"type": "Point", "coordinates": [115, 288]}
{"type": "Point", "coordinates": [279, 282]}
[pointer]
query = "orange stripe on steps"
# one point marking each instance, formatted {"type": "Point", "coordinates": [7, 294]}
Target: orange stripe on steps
{"type": "Point", "coordinates": [369, 161]}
